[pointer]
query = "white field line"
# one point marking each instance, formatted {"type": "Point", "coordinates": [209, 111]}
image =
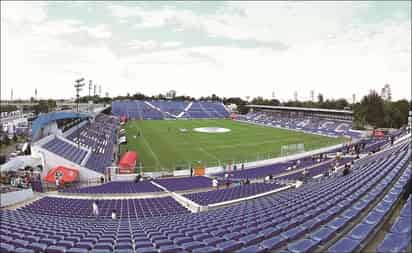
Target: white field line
{"type": "Point", "coordinates": [208, 153]}
{"type": "Point", "coordinates": [148, 146]}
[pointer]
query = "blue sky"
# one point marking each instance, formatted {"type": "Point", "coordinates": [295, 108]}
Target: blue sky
{"type": "Point", "coordinates": [199, 48]}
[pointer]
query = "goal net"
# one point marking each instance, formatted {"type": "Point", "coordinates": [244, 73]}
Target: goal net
{"type": "Point", "coordinates": [292, 149]}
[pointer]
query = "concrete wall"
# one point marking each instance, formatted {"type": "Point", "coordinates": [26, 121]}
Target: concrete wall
{"type": "Point", "coordinates": [11, 198]}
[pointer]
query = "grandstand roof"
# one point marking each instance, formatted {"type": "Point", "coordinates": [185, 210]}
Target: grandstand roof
{"type": "Point", "coordinates": [45, 119]}
{"type": "Point", "coordinates": [291, 108]}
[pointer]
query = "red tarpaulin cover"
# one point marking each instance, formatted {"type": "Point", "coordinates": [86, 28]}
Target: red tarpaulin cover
{"type": "Point", "coordinates": [128, 162]}
{"type": "Point", "coordinates": [68, 175]}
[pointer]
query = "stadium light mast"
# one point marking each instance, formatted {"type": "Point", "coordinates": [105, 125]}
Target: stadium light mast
{"type": "Point", "coordinates": [90, 87]}
{"type": "Point", "coordinates": [78, 87]}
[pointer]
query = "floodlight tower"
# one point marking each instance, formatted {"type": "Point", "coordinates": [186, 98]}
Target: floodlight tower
{"type": "Point", "coordinates": [78, 87]}
{"type": "Point", "coordinates": [90, 88]}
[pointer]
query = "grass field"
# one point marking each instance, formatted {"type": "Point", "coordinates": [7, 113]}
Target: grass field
{"type": "Point", "coordinates": [161, 144]}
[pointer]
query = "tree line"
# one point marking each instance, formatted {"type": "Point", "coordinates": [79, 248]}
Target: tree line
{"type": "Point", "coordinates": [372, 110]}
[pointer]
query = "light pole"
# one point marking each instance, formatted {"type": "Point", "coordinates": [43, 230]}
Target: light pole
{"type": "Point", "coordinates": [78, 86]}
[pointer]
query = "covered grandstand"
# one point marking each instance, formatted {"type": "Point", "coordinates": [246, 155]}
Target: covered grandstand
{"type": "Point", "coordinates": [85, 142]}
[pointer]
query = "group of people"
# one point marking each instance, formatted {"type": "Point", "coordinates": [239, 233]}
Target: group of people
{"type": "Point", "coordinates": [318, 158]}
{"type": "Point", "coordinates": [227, 167]}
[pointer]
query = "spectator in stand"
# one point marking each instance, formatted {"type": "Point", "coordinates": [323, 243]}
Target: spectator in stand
{"type": "Point", "coordinates": [101, 179]}
{"type": "Point", "coordinates": [138, 178]}
{"type": "Point", "coordinates": [338, 155]}
{"type": "Point", "coordinates": [346, 170]}
{"type": "Point", "coordinates": [95, 208]}
{"type": "Point", "coordinates": [57, 183]}
{"type": "Point", "coordinates": [227, 183]}
{"type": "Point", "coordinates": [114, 216]}
{"type": "Point", "coordinates": [191, 171]}
{"type": "Point", "coordinates": [266, 180]}
{"type": "Point", "coordinates": [215, 183]}
{"type": "Point", "coordinates": [304, 174]}
{"type": "Point", "coordinates": [336, 167]}
{"type": "Point", "coordinates": [247, 181]}
{"type": "Point", "coordinates": [243, 166]}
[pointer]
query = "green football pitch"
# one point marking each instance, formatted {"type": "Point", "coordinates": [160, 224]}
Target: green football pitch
{"type": "Point", "coordinates": [172, 144]}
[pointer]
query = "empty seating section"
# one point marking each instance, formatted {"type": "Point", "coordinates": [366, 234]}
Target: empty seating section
{"type": "Point", "coordinates": [116, 188]}
{"type": "Point", "coordinates": [317, 216]}
{"type": "Point", "coordinates": [164, 109]}
{"type": "Point", "coordinates": [400, 235]}
{"type": "Point", "coordinates": [170, 107]}
{"type": "Point", "coordinates": [82, 208]}
{"type": "Point", "coordinates": [99, 136]}
{"type": "Point", "coordinates": [315, 125]}
{"type": "Point", "coordinates": [237, 192]}
{"type": "Point", "coordinates": [186, 183]}
{"type": "Point", "coordinates": [66, 150]}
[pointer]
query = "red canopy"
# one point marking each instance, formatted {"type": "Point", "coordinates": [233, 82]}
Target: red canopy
{"type": "Point", "coordinates": [128, 162]}
{"type": "Point", "coordinates": [123, 118]}
{"type": "Point", "coordinates": [67, 175]}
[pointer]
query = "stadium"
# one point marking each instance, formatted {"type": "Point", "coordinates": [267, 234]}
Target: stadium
{"type": "Point", "coordinates": [168, 174]}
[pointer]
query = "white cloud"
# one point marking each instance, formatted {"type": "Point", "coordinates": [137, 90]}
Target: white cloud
{"type": "Point", "coordinates": [325, 53]}
{"type": "Point", "coordinates": [146, 45]}
{"type": "Point", "coordinates": [99, 31]}
{"type": "Point", "coordinates": [20, 12]}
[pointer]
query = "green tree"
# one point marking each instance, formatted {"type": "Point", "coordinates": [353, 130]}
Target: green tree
{"type": "Point", "coordinates": [370, 110]}
{"type": "Point", "coordinates": [320, 98]}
